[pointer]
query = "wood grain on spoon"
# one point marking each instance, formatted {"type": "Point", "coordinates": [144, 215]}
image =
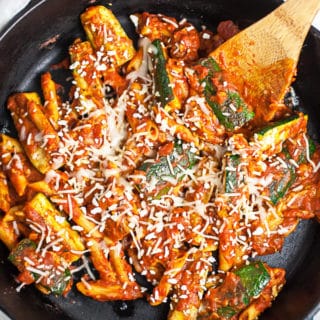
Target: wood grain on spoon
{"type": "Point", "coordinates": [261, 60]}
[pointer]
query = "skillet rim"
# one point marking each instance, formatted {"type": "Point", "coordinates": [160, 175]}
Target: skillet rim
{"type": "Point", "coordinates": [34, 4]}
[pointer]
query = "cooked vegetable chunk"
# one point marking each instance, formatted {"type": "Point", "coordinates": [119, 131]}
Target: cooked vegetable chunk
{"type": "Point", "coordinates": [161, 78]}
{"type": "Point", "coordinates": [107, 35]}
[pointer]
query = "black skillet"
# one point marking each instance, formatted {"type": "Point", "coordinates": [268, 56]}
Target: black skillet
{"type": "Point", "coordinates": [39, 37]}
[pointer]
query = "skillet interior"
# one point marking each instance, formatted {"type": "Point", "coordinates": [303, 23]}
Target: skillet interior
{"type": "Point", "coordinates": [24, 57]}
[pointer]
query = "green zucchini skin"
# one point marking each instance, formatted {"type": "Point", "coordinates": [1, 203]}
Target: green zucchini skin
{"type": "Point", "coordinates": [233, 113]}
{"type": "Point", "coordinates": [230, 176]}
{"type": "Point", "coordinates": [17, 254]}
{"type": "Point", "coordinates": [274, 127]}
{"type": "Point", "coordinates": [253, 278]}
{"type": "Point", "coordinates": [279, 188]}
{"type": "Point", "coordinates": [59, 281]}
{"type": "Point", "coordinates": [161, 78]}
{"type": "Point", "coordinates": [272, 136]}
{"type": "Point", "coordinates": [180, 157]}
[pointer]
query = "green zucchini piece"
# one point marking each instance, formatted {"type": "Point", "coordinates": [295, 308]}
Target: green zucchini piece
{"type": "Point", "coordinates": [277, 132]}
{"type": "Point", "coordinates": [286, 153]}
{"type": "Point", "coordinates": [162, 192]}
{"type": "Point", "coordinates": [231, 182]}
{"type": "Point", "coordinates": [233, 113]}
{"type": "Point", "coordinates": [274, 127]}
{"type": "Point", "coordinates": [254, 277]}
{"type": "Point", "coordinates": [60, 283]}
{"type": "Point", "coordinates": [227, 312]}
{"type": "Point", "coordinates": [213, 68]}
{"type": "Point", "coordinates": [211, 64]}
{"type": "Point", "coordinates": [312, 150]}
{"type": "Point", "coordinates": [18, 253]}
{"type": "Point", "coordinates": [172, 165]}
{"type": "Point", "coordinates": [279, 188]}
{"type": "Point", "coordinates": [312, 147]}
{"type": "Point", "coordinates": [301, 157]}
{"type": "Point", "coordinates": [161, 78]}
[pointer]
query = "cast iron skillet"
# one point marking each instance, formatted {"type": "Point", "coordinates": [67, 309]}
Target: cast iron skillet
{"type": "Point", "coordinates": [25, 53]}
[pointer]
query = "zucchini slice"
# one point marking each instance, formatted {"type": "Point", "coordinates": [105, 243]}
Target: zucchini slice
{"type": "Point", "coordinates": [161, 77]}
{"type": "Point", "coordinates": [231, 182]}
{"type": "Point", "coordinates": [232, 113]}
{"type": "Point", "coordinates": [181, 158]}
{"type": "Point", "coordinates": [254, 277]}
{"type": "Point", "coordinates": [279, 188]}
{"type": "Point", "coordinates": [272, 136]}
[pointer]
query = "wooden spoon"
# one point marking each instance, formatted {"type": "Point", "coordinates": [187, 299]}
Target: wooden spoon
{"type": "Point", "coordinates": [261, 60]}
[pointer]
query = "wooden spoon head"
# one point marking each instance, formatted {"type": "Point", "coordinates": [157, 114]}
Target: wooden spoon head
{"type": "Point", "coordinates": [262, 59]}
{"type": "Point", "coordinates": [263, 87]}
